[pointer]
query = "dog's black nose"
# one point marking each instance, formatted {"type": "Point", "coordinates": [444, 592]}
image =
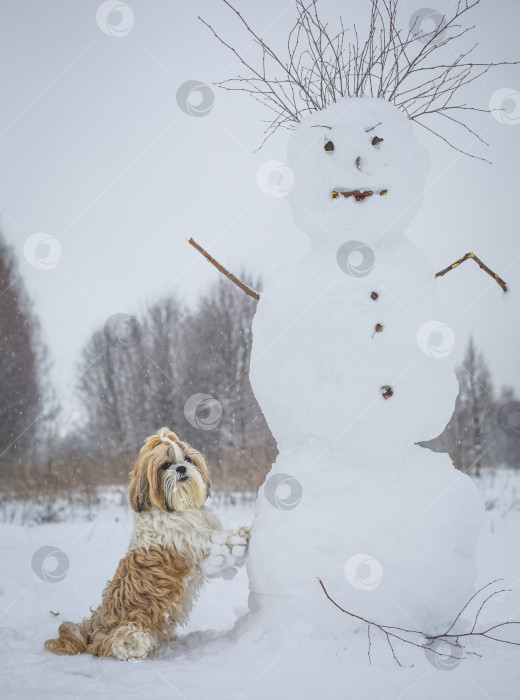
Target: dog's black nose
{"type": "Point", "coordinates": [181, 470]}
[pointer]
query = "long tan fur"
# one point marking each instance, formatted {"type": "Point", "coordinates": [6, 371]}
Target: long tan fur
{"type": "Point", "coordinates": [153, 586]}
{"type": "Point", "coordinates": [142, 596]}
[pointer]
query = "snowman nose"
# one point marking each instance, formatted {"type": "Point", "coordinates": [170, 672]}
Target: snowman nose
{"type": "Point", "coordinates": [358, 163]}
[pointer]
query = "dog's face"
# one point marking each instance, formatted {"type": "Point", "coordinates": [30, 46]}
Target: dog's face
{"type": "Point", "coordinates": [169, 474]}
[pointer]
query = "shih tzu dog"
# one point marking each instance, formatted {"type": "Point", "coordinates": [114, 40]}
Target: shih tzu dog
{"type": "Point", "coordinates": [176, 543]}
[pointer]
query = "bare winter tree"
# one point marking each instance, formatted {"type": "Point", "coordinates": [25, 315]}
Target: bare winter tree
{"type": "Point", "coordinates": [132, 385]}
{"type": "Point", "coordinates": [474, 437]}
{"type": "Point", "coordinates": [220, 332]}
{"type": "Point", "coordinates": [22, 358]}
{"type": "Point", "coordinates": [97, 390]}
{"type": "Point", "coordinates": [129, 384]}
{"type": "Point", "coordinates": [422, 73]}
{"type": "Point", "coordinates": [507, 442]}
{"type": "Point", "coordinates": [162, 351]}
{"type": "Point", "coordinates": [477, 399]}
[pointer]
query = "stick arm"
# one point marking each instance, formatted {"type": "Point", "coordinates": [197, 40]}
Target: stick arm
{"type": "Point", "coordinates": [472, 256]}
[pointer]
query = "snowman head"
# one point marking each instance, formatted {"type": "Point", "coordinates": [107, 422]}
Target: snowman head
{"type": "Point", "coordinates": [359, 172]}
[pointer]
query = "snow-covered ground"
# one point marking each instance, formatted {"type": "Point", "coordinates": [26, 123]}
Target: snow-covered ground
{"type": "Point", "coordinates": [212, 658]}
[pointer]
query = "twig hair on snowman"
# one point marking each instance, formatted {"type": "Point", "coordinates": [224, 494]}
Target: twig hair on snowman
{"type": "Point", "coordinates": [177, 541]}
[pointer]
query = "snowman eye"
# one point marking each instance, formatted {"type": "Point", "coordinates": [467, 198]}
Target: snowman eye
{"type": "Point", "coordinates": [376, 141]}
{"type": "Point", "coordinates": [329, 146]}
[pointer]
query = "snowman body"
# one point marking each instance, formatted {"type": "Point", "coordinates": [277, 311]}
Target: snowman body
{"type": "Point", "coordinates": [351, 368]}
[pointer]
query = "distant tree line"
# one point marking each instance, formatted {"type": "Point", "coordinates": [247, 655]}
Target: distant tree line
{"type": "Point", "coordinates": [23, 386]}
{"type": "Point", "coordinates": [187, 369]}
{"type": "Point", "coordinates": [139, 373]}
{"type": "Point", "coordinates": [484, 430]}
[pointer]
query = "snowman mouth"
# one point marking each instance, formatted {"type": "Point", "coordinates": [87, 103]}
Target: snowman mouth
{"type": "Point", "coordinates": [358, 195]}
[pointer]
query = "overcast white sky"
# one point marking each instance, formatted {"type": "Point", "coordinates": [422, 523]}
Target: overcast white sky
{"type": "Point", "coordinates": [95, 152]}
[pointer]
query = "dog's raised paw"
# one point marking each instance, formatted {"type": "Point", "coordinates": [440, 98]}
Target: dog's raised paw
{"type": "Point", "coordinates": [212, 565]}
{"type": "Point", "coordinates": [219, 537]}
{"type": "Point", "coordinates": [245, 532]}
{"type": "Point", "coordinates": [239, 551]}
{"type": "Point", "coordinates": [237, 539]}
{"type": "Point", "coordinates": [217, 549]}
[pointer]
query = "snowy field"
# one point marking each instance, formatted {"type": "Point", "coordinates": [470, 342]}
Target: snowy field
{"type": "Point", "coordinates": [212, 658]}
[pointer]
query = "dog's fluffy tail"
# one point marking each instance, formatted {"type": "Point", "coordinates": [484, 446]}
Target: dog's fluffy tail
{"type": "Point", "coordinates": [71, 640]}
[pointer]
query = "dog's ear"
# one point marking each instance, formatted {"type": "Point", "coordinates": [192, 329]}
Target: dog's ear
{"type": "Point", "coordinates": [208, 488]}
{"type": "Point", "coordinates": [139, 491]}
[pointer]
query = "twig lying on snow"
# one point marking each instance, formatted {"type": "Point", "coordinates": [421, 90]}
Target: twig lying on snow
{"type": "Point", "coordinates": [472, 256]}
{"type": "Point", "coordinates": [250, 292]}
{"type": "Point", "coordinates": [451, 638]}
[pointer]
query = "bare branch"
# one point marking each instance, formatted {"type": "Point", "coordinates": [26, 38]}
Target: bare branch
{"type": "Point", "coordinates": [320, 66]}
{"type": "Point", "coordinates": [453, 639]}
{"type": "Point", "coordinates": [357, 195]}
{"type": "Point", "coordinates": [472, 256]}
{"type": "Point", "coordinates": [250, 292]}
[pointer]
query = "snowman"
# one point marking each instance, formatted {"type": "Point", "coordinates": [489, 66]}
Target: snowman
{"type": "Point", "coordinates": [351, 366]}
